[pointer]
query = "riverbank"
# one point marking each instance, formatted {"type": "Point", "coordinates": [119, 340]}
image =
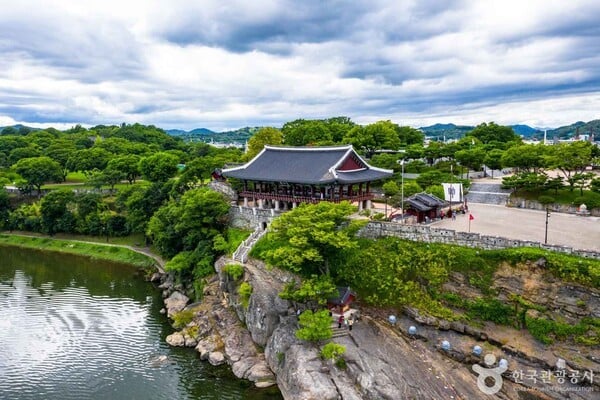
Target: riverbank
{"type": "Point", "coordinates": [97, 251]}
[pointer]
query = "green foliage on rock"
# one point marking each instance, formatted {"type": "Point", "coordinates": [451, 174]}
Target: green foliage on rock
{"type": "Point", "coordinates": [314, 326]}
{"type": "Point", "coordinates": [245, 291]}
{"type": "Point", "coordinates": [332, 351]}
{"type": "Point", "coordinates": [182, 318]}
{"type": "Point", "coordinates": [313, 291]}
{"type": "Point", "coordinates": [235, 271]}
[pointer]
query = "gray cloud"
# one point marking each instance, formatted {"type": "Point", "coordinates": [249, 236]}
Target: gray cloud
{"type": "Point", "coordinates": [189, 64]}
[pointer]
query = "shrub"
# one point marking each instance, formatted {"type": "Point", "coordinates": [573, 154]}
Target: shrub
{"type": "Point", "coordinates": [235, 271]}
{"type": "Point", "coordinates": [314, 326]}
{"type": "Point", "coordinates": [182, 318]}
{"type": "Point", "coordinates": [245, 290]}
{"type": "Point", "coordinates": [332, 351]}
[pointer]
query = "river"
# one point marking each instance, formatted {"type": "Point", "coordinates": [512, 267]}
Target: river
{"type": "Point", "coordinates": [72, 328]}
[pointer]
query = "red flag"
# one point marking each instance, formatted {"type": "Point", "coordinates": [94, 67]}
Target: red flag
{"type": "Point", "coordinates": [471, 217]}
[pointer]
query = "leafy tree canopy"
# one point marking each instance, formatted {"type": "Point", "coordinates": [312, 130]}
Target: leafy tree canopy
{"type": "Point", "coordinates": [310, 236]}
{"type": "Point", "coordinates": [38, 170]}
{"type": "Point", "coordinates": [263, 137]}
{"type": "Point", "coordinates": [490, 132]}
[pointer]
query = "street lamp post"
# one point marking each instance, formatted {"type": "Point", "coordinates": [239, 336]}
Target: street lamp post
{"type": "Point", "coordinates": [402, 190]}
{"type": "Point", "coordinates": [546, 232]}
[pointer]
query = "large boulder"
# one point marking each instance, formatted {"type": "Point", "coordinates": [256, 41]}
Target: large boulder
{"type": "Point", "coordinates": [175, 303]}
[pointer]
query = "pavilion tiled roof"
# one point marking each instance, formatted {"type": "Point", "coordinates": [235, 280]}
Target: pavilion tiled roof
{"type": "Point", "coordinates": [425, 202]}
{"type": "Point", "coordinates": [307, 165]}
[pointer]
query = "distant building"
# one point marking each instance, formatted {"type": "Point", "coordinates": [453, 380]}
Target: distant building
{"type": "Point", "coordinates": [282, 177]}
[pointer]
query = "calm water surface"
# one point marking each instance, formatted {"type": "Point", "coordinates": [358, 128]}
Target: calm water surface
{"type": "Point", "coordinates": [71, 328]}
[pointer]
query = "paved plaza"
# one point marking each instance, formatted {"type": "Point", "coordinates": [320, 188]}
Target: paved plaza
{"type": "Point", "coordinates": [516, 223]}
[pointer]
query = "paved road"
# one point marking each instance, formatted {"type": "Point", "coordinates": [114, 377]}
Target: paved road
{"type": "Point", "coordinates": [515, 223]}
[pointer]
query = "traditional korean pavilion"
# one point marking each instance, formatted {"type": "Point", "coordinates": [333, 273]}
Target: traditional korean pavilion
{"type": "Point", "coordinates": [283, 177]}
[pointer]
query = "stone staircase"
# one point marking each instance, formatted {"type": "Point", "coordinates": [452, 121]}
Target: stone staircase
{"type": "Point", "coordinates": [241, 253]}
{"type": "Point", "coordinates": [339, 332]}
{"type": "Point", "coordinates": [487, 193]}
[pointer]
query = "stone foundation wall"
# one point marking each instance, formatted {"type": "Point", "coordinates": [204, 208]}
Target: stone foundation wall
{"type": "Point", "coordinates": [251, 217]}
{"type": "Point", "coordinates": [430, 234]}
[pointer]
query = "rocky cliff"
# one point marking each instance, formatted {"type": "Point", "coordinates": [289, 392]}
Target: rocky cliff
{"type": "Point", "coordinates": [256, 336]}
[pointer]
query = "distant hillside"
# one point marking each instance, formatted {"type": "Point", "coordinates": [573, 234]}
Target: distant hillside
{"type": "Point", "coordinates": [451, 131]}
{"type": "Point", "coordinates": [17, 129]}
{"type": "Point", "coordinates": [583, 128]}
{"type": "Point", "coordinates": [206, 135]}
{"type": "Point", "coordinates": [526, 130]}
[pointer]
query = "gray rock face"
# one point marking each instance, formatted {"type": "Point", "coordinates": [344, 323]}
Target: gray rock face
{"type": "Point", "coordinates": [299, 370]}
{"type": "Point", "coordinates": [265, 307]}
{"type": "Point", "coordinates": [175, 303]}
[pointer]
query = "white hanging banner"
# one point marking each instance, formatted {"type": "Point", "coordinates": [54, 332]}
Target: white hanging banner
{"type": "Point", "coordinates": [453, 192]}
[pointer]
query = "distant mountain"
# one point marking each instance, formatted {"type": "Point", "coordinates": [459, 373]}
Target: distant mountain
{"type": "Point", "coordinates": [580, 127]}
{"type": "Point", "coordinates": [450, 131]}
{"type": "Point", "coordinates": [206, 135]}
{"type": "Point", "coordinates": [526, 130]}
{"type": "Point", "coordinates": [17, 129]}
{"type": "Point", "coordinates": [194, 132]}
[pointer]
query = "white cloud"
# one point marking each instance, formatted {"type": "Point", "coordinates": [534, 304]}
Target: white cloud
{"type": "Point", "coordinates": [224, 65]}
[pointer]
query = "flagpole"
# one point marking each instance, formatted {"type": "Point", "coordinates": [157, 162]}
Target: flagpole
{"type": "Point", "coordinates": [470, 218]}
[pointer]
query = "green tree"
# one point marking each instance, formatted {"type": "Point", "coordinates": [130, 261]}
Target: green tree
{"type": "Point", "coordinates": [128, 165]}
{"type": "Point", "coordinates": [314, 327]}
{"type": "Point", "coordinates": [56, 215]}
{"type": "Point", "coordinates": [159, 167]}
{"type": "Point", "coordinates": [390, 188]}
{"type": "Point", "coordinates": [471, 158]}
{"type": "Point", "coordinates": [60, 150]}
{"type": "Point", "coordinates": [430, 178]}
{"type": "Point", "coordinates": [303, 132]}
{"type": "Point", "coordinates": [88, 160]}
{"type": "Point", "coordinates": [313, 291]}
{"type": "Point", "coordinates": [570, 159]}
{"type": "Point", "coordinates": [554, 184]}
{"type": "Point", "coordinates": [23, 152]}
{"type": "Point", "coordinates": [199, 216]}
{"type": "Point", "coordinates": [38, 170]}
{"type": "Point", "coordinates": [491, 132]}
{"type": "Point", "coordinates": [527, 157]}
{"type": "Point", "coordinates": [493, 159]}
{"type": "Point", "coordinates": [310, 236]}
{"type": "Point", "coordinates": [377, 136]}
{"type": "Point", "coordinates": [4, 208]}
{"type": "Point", "coordinates": [409, 136]}
{"type": "Point", "coordinates": [264, 136]}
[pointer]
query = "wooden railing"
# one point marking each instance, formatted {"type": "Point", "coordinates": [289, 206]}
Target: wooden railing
{"type": "Point", "coordinates": [304, 199]}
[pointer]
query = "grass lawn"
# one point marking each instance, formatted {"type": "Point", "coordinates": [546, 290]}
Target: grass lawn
{"type": "Point", "coordinates": [91, 250]}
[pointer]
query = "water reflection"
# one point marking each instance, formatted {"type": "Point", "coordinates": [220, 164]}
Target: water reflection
{"type": "Point", "coordinates": [75, 329]}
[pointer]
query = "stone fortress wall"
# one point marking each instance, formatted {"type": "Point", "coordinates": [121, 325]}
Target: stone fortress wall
{"type": "Point", "coordinates": [251, 217]}
{"type": "Point", "coordinates": [429, 234]}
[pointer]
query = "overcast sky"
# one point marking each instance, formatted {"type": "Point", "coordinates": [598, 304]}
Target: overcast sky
{"type": "Point", "coordinates": [227, 64]}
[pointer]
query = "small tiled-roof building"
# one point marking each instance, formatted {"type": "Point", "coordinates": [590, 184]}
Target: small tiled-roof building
{"type": "Point", "coordinates": [285, 176]}
{"type": "Point", "coordinates": [424, 206]}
